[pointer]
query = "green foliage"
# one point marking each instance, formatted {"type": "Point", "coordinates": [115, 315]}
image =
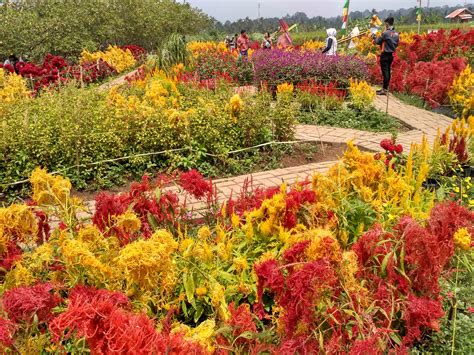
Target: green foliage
{"type": "Point", "coordinates": [460, 295]}
{"type": "Point", "coordinates": [173, 51]}
{"type": "Point", "coordinates": [35, 28]}
{"type": "Point", "coordinates": [347, 117]}
{"type": "Point", "coordinates": [284, 117]}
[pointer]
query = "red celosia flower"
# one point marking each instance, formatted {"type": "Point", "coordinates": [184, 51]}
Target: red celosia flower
{"type": "Point", "coordinates": [445, 219]}
{"type": "Point", "coordinates": [422, 256]}
{"type": "Point", "coordinates": [420, 314]}
{"type": "Point", "coordinates": [299, 345]}
{"type": "Point", "coordinates": [296, 253]}
{"type": "Point", "coordinates": [398, 149]}
{"type": "Point", "coordinates": [7, 329]}
{"type": "Point", "coordinates": [367, 346]}
{"type": "Point", "coordinates": [7, 260]}
{"type": "Point", "coordinates": [99, 316]}
{"type": "Point", "coordinates": [22, 303]}
{"type": "Point", "coordinates": [388, 145]}
{"type": "Point", "coordinates": [195, 184]}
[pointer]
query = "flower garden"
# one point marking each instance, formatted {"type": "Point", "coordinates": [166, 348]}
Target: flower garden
{"type": "Point", "coordinates": [372, 256]}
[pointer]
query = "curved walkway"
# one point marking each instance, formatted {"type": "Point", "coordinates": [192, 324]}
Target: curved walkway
{"type": "Point", "coordinates": [421, 121]}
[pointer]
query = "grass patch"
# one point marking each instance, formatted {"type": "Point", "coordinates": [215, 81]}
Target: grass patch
{"type": "Point", "coordinates": [367, 120]}
{"type": "Point", "coordinates": [412, 100]}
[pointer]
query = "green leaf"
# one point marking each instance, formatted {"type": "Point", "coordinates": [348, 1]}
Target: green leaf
{"type": "Point", "coordinates": [152, 221]}
{"type": "Point", "coordinates": [158, 194]}
{"type": "Point", "coordinates": [198, 313]}
{"type": "Point", "coordinates": [189, 287]}
{"type": "Point", "coordinates": [385, 263]}
{"type": "Point", "coordinates": [396, 338]}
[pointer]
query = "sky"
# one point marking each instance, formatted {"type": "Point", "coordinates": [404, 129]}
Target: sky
{"type": "Point", "coordinates": [224, 10]}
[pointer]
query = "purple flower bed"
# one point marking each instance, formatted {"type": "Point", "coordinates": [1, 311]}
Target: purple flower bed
{"type": "Point", "coordinates": [275, 67]}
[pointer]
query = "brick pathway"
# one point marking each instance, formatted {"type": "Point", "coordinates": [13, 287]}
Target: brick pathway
{"type": "Point", "coordinates": [420, 121]}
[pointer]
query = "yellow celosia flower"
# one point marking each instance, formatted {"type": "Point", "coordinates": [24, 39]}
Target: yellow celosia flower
{"type": "Point", "coordinates": [348, 269]}
{"type": "Point", "coordinates": [3, 241]}
{"type": "Point", "coordinates": [13, 87]}
{"type": "Point", "coordinates": [285, 88]}
{"type": "Point", "coordinates": [362, 94]}
{"type": "Point", "coordinates": [20, 275]}
{"type": "Point", "coordinates": [116, 57]}
{"type": "Point", "coordinates": [203, 334]}
{"type": "Point", "coordinates": [235, 221]}
{"type": "Point", "coordinates": [202, 251]}
{"type": "Point", "coordinates": [224, 250]}
{"type": "Point", "coordinates": [235, 105]}
{"type": "Point", "coordinates": [217, 294]}
{"type": "Point", "coordinates": [204, 233]}
{"type": "Point", "coordinates": [240, 264]}
{"type": "Point", "coordinates": [201, 291]}
{"type": "Point", "coordinates": [461, 93]}
{"type": "Point", "coordinates": [462, 239]}
{"type": "Point", "coordinates": [312, 46]}
{"type": "Point", "coordinates": [82, 264]}
{"type": "Point", "coordinates": [185, 246]}
{"type": "Point", "coordinates": [196, 48]}
{"type": "Point", "coordinates": [49, 189]}
{"type": "Point", "coordinates": [128, 221]}
{"type": "Point", "coordinates": [18, 222]}
{"type": "Point", "coordinates": [148, 263]}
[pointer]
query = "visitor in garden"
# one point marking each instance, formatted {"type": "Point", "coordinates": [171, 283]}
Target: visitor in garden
{"type": "Point", "coordinates": [267, 42]}
{"type": "Point", "coordinates": [243, 44]}
{"type": "Point", "coordinates": [284, 40]}
{"type": "Point", "coordinates": [331, 42]}
{"type": "Point", "coordinates": [13, 61]}
{"type": "Point", "coordinates": [388, 41]}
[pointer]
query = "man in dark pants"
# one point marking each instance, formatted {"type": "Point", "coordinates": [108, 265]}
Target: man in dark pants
{"type": "Point", "coordinates": [389, 43]}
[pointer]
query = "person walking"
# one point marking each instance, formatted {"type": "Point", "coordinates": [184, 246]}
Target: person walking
{"type": "Point", "coordinates": [267, 42]}
{"type": "Point", "coordinates": [331, 42]}
{"type": "Point", "coordinates": [243, 44]}
{"type": "Point", "coordinates": [388, 42]}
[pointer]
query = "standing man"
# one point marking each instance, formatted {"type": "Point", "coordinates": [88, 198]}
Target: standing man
{"type": "Point", "coordinates": [389, 43]}
{"type": "Point", "coordinates": [243, 44]}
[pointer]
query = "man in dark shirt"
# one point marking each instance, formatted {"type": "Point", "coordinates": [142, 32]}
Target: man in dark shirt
{"type": "Point", "coordinates": [389, 43]}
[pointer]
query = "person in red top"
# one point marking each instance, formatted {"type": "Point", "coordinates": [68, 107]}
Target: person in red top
{"type": "Point", "coordinates": [243, 44]}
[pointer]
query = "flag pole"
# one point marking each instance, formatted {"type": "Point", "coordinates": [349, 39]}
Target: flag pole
{"type": "Point", "coordinates": [418, 16]}
{"type": "Point", "coordinates": [345, 17]}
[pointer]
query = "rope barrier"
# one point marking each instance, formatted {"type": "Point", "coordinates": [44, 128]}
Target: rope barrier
{"type": "Point", "coordinates": [20, 182]}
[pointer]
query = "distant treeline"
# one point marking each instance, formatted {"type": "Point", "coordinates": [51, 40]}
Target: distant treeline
{"type": "Point", "coordinates": [33, 28]}
{"type": "Point", "coordinates": [305, 23]}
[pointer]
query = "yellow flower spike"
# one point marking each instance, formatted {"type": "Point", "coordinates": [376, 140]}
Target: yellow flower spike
{"type": "Point", "coordinates": [185, 246]}
{"type": "Point", "coordinates": [235, 221]}
{"type": "Point", "coordinates": [462, 239]}
{"type": "Point", "coordinates": [148, 263]}
{"type": "Point", "coordinates": [266, 227]}
{"type": "Point", "coordinates": [128, 221]}
{"type": "Point", "coordinates": [240, 264]}
{"type": "Point", "coordinates": [203, 334]}
{"type": "Point", "coordinates": [19, 223]}
{"type": "Point", "coordinates": [285, 88]}
{"type": "Point", "coordinates": [224, 210]}
{"type": "Point", "coordinates": [201, 291]}
{"type": "Point", "coordinates": [204, 233]}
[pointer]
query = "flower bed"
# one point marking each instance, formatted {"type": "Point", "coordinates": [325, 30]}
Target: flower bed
{"type": "Point", "coordinates": [358, 260]}
{"type": "Point", "coordinates": [150, 113]}
{"type": "Point", "coordinates": [276, 67]}
{"type": "Point", "coordinates": [427, 65]}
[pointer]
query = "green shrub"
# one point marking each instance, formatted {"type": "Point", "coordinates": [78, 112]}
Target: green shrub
{"type": "Point", "coordinates": [75, 128]}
